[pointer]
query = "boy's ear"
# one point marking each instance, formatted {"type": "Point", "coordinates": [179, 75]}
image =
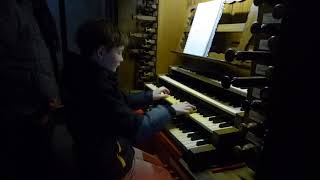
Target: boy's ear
{"type": "Point", "coordinates": [101, 51]}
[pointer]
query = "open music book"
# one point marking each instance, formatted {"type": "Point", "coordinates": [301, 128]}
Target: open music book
{"type": "Point", "coordinates": [203, 27]}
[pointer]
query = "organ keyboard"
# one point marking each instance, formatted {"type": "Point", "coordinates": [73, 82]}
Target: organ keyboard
{"type": "Point", "coordinates": [242, 92]}
{"type": "Point", "coordinates": [206, 136]}
{"type": "Point", "coordinates": [225, 106]}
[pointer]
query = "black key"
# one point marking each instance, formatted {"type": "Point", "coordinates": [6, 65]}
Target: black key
{"type": "Point", "coordinates": [226, 124]}
{"type": "Point", "coordinates": [182, 127]}
{"type": "Point", "coordinates": [178, 124]}
{"type": "Point", "coordinates": [196, 137]}
{"type": "Point", "coordinates": [237, 104]}
{"type": "Point", "coordinates": [207, 113]}
{"type": "Point", "coordinates": [232, 104]}
{"type": "Point", "coordinates": [215, 119]}
{"type": "Point", "coordinates": [202, 142]}
{"type": "Point", "coordinates": [192, 134]}
{"type": "Point", "coordinates": [186, 130]}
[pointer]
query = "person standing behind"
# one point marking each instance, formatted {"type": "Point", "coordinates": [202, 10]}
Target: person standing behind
{"type": "Point", "coordinates": [100, 117]}
{"type": "Point", "coordinates": [28, 43]}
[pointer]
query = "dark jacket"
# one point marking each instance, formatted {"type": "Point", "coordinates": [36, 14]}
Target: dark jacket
{"type": "Point", "coordinates": [26, 66]}
{"type": "Point", "coordinates": [27, 84]}
{"type": "Point", "coordinates": [101, 120]}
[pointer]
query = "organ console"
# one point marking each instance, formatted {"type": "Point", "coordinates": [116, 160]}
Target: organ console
{"type": "Point", "coordinates": [243, 111]}
{"type": "Point", "coordinates": [206, 137]}
{"type": "Point", "coordinates": [217, 136]}
{"type": "Point", "coordinates": [232, 119]}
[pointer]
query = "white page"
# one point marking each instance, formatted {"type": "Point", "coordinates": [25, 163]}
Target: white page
{"type": "Point", "coordinates": [203, 28]}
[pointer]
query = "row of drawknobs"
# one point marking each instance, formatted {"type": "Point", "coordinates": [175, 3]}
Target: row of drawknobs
{"type": "Point", "coordinates": [270, 30]}
{"type": "Point", "coordinates": [145, 48]}
{"type": "Point", "coordinates": [257, 107]}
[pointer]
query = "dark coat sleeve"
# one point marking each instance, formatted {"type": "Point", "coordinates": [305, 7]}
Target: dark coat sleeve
{"type": "Point", "coordinates": [139, 100]}
{"type": "Point", "coordinates": [118, 117]}
{"type": "Point", "coordinates": [153, 121]}
{"type": "Point", "coordinates": [125, 122]}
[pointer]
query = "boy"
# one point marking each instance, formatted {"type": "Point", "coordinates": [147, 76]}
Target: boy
{"type": "Point", "coordinates": [100, 117]}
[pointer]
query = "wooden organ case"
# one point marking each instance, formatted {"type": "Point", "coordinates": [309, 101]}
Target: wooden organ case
{"type": "Point", "coordinates": [213, 139]}
{"type": "Point", "coordinates": [245, 117]}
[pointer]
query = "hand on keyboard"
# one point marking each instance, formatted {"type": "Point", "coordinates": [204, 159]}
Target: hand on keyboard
{"type": "Point", "coordinates": [160, 93]}
{"type": "Point", "coordinates": [183, 108]}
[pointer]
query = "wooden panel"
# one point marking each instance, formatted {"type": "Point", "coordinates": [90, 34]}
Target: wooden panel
{"type": "Point", "coordinates": [170, 147]}
{"type": "Point", "coordinates": [236, 27]}
{"type": "Point", "coordinates": [164, 148]}
{"type": "Point", "coordinates": [223, 41]}
{"type": "Point", "coordinates": [240, 11]}
{"type": "Point", "coordinates": [226, 17]}
{"type": "Point", "coordinates": [246, 35]}
{"type": "Point", "coordinates": [169, 154]}
{"type": "Point", "coordinates": [126, 71]}
{"type": "Point", "coordinates": [171, 21]}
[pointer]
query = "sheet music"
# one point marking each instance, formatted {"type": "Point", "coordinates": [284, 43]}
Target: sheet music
{"type": "Point", "coordinates": [203, 28]}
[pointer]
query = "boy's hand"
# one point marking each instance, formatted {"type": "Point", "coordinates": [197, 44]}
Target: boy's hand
{"type": "Point", "coordinates": [160, 93]}
{"type": "Point", "coordinates": [183, 108]}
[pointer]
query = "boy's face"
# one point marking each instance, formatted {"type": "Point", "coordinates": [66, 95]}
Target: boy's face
{"type": "Point", "coordinates": [113, 58]}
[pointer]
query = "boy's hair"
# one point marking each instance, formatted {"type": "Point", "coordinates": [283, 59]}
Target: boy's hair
{"type": "Point", "coordinates": [95, 33]}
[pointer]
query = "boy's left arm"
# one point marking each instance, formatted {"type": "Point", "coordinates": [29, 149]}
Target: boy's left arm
{"type": "Point", "coordinates": [140, 100]}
